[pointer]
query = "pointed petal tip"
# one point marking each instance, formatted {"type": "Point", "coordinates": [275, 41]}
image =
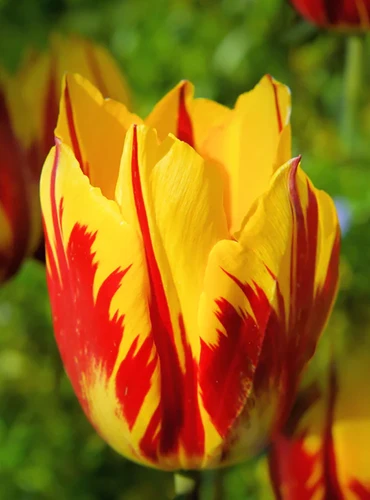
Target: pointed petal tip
{"type": "Point", "coordinates": [296, 161]}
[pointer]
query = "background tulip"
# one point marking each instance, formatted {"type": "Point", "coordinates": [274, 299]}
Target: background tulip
{"type": "Point", "coordinates": [41, 77]}
{"type": "Point", "coordinates": [323, 452]}
{"type": "Point", "coordinates": [184, 311]}
{"type": "Point", "coordinates": [29, 111]}
{"type": "Point", "coordinates": [339, 14]}
{"type": "Point", "coordinates": [20, 224]}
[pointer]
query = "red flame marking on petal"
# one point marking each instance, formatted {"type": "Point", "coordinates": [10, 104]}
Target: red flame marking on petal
{"type": "Point", "coordinates": [184, 124]}
{"type": "Point", "coordinates": [172, 389]}
{"type": "Point", "coordinates": [192, 435]}
{"type": "Point", "coordinates": [72, 129]}
{"type": "Point", "coordinates": [360, 490]}
{"type": "Point", "coordinates": [291, 467]}
{"type": "Point", "coordinates": [293, 470]}
{"type": "Point", "coordinates": [87, 335]}
{"type": "Point", "coordinates": [227, 369]}
{"type": "Point", "coordinates": [277, 106]}
{"type": "Point", "coordinates": [133, 379]}
{"type": "Point", "coordinates": [288, 345]}
{"type": "Point", "coordinates": [299, 348]}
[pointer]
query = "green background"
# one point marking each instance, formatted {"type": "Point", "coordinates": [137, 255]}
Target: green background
{"type": "Point", "coordinates": [48, 450]}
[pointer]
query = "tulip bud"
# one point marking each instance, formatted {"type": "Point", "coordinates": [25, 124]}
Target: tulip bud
{"type": "Point", "coordinates": [342, 14]}
{"type": "Point", "coordinates": [191, 269]}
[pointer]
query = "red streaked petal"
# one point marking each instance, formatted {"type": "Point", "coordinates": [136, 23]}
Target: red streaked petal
{"type": "Point", "coordinates": [172, 388]}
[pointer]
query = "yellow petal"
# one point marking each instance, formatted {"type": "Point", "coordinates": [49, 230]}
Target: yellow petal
{"type": "Point", "coordinates": [189, 119]}
{"type": "Point", "coordinates": [248, 144]}
{"type": "Point", "coordinates": [86, 122]}
{"type": "Point", "coordinates": [206, 115]}
{"type": "Point", "coordinates": [171, 114]}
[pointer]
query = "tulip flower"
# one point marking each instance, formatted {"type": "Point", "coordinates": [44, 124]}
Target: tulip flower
{"type": "Point", "coordinates": [27, 136]}
{"type": "Point", "coordinates": [323, 453]}
{"type": "Point", "coordinates": [20, 223]}
{"type": "Point", "coordinates": [191, 269]}
{"type": "Point", "coordinates": [336, 14]}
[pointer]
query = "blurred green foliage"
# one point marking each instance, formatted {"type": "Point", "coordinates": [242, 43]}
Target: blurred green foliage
{"type": "Point", "coordinates": [48, 451]}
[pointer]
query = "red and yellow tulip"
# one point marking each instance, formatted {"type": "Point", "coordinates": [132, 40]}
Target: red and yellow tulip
{"type": "Point", "coordinates": [191, 268]}
{"type": "Point", "coordinates": [341, 14]}
{"type": "Point", "coordinates": [29, 106]}
{"type": "Point", "coordinates": [324, 454]}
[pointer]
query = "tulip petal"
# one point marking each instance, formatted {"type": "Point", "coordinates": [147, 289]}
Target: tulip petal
{"type": "Point", "coordinates": [263, 302]}
{"type": "Point", "coordinates": [189, 119]}
{"type": "Point", "coordinates": [301, 232]}
{"type": "Point", "coordinates": [103, 332]}
{"type": "Point", "coordinates": [81, 105]}
{"type": "Point", "coordinates": [93, 62]}
{"type": "Point", "coordinates": [206, 115]}
{"type": "Point", "coordinates": [233, 314]}
{"type": "Point", "coordinates": [174, 199]}
{"type": "Point", "coordinates": [251, 143]}
{"type": "Point", "coordinates": [171, 114]}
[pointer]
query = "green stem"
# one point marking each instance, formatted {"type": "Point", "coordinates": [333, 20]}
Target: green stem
{"type": "Point", "coordinates": [219, 485]}
{"type": "Point", "coordinates": [352, 90]}
{"type": "Point", "coordinates": [187, 485]}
